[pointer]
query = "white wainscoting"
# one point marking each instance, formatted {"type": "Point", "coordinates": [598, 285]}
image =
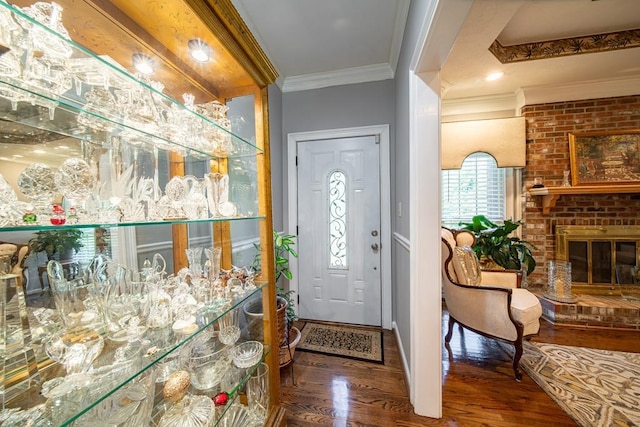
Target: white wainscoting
{"type": "Point", "coordinates": [402, 241]}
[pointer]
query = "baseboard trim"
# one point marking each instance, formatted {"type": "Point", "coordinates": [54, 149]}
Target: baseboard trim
{"type": "Point", "coordinates": [405, 364]}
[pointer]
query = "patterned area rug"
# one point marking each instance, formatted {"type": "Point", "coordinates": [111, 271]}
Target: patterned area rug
{"type": "Point", "coordinates": [595, 387]}
{"type": "Point", "coordinates": [342, 340]}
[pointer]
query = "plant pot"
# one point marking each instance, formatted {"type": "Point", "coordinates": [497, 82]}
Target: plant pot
{"type": "Point", "coordinates": [285, 353]}
{"type": "Point", "coordinates": [281, 321]}
{"type": "Point", "coordinates": [254, 315]}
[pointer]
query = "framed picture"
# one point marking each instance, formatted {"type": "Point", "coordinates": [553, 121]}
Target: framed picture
{"type": "Point", "coordinates": [605, 158]}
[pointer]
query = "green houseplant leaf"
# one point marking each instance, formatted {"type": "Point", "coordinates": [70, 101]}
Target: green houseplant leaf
{"type": "Point", "coordinates": [56, 241]}
{"type": "Point", "coordinates": [493, 243]}
{"type": "Point", "coordinates": [282, 249]}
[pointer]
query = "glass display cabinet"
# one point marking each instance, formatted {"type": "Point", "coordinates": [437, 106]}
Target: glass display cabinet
{"type": "Point", "coordinates": [145, 202]}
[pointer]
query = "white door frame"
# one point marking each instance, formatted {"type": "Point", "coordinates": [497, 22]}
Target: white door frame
{"type": "Point", "coordinates": [382, 131]}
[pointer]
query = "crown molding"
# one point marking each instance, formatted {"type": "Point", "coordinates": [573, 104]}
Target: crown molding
{"type": "Point", "coordinates": [578, 91]}
{"type": "Point", "coordinates": [368, 73]}
{"type": "Point", "coordinates": [544, 94]}
{"type": "Point", "coordinates": [480, 104]}
{"type": "Point", "coordinates": [402, 13]}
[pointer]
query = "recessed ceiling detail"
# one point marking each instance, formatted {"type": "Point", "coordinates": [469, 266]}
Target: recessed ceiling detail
{"type": "Point", "coordinates": [565, 47]}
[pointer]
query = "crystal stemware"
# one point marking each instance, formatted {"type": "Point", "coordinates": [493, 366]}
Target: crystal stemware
{"type": "Point", "coordinates": [229, 325]}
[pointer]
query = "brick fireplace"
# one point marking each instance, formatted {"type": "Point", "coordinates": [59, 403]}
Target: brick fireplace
{"type": "Point", "coordinates": [548, 126]}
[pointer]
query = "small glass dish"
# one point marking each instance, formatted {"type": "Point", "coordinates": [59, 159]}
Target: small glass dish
{"type": "Point", "coordinates": [236, 416]}
{"type": "Point", "coordinates": [247, 354]}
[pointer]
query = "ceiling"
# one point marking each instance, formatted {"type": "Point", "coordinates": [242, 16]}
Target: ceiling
{"type": "Point", "coordinates": [317, 44]}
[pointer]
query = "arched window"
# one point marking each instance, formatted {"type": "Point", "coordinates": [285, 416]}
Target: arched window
{"type": "Point", "coordinates": [478, 188]}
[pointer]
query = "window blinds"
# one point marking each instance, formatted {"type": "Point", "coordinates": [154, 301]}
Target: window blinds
{"type": "Point", "coordinates": [478, 188]}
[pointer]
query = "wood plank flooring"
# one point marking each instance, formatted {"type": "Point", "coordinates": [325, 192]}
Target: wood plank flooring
{"type": "Point", "coordinates": [478, 385]}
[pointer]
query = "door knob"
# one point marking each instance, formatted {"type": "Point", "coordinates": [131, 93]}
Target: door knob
{"type": "Point", "coordinates": [374, 247]}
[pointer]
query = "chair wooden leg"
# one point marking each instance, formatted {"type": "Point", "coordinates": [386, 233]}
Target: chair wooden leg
{"type": "Point", "coordinates": [447, 338]}
{"type": "Point", "coordinates": [516, 359]}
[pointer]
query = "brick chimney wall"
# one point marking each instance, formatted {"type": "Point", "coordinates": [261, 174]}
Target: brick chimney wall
{"type": "Point", "coordinates": [548, 126]}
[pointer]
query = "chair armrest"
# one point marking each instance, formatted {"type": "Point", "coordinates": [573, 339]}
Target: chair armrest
{"type": "Point", "coordinates": [483, 309]}
{"type": "Point", "coordinates": [502, 278]}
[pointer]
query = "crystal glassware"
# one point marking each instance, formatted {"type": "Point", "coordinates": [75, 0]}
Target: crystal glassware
{"type": "Point", "coordinates": [213, 262]}
{"type": "Point", "coordinates": [176, 192]}
{"type": "Point", "coordinates": [75, 180]}
{"type": "Point", "coordinates": [206, 360]}
{"type": "Point", "coordinates": [74, 299]}
{"type": "Point", "coordinates": [236, 416]}
{"type": "Point", "coordinates": [127, 306]}
{"type": "Point", "coordinates": [258, 393]}
{"type": "Point", "coordinates": [194, 257]}
{"type": "Point", "coordinates": [195, 203]}
{"type": "Point", "coordinates": [191, 411]}
{"type": "Point", "coordinates": [247, 353]}
{"type": "Point", "coordinates": [75, 348]}
{"type": "Point", "coordinates": [229, 326]}
{"type": "Point", "coordinates": [37, 183]}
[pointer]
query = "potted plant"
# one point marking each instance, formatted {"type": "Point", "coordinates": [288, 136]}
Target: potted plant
{"type": "Point", "coordinates": [494, 245]}
{"type": "Point", "coordinates": [57, 242]}
{"type": "Point", "coordinates": [288, 335]}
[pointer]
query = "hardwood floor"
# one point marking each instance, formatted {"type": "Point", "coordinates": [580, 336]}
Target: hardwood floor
{"type": "Point", "coordinates": [478, 384]}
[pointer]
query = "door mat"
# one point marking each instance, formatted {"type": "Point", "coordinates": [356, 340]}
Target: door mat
{"type": "Point", "coordinates": [342, 340]}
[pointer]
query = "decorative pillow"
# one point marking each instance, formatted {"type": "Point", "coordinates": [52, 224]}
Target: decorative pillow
{"type": "Point", "coordinates": [467, 266]}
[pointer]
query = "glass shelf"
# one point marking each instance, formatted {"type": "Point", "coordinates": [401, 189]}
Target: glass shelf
{"type": "Point", "coordinates": [156, 339]}
{"type": "Point", "coordinates": [221, 412]}
{"type": "Point", "coordinates": [33, 227]}
{"type": "Point", "coordinates": [59, 109]}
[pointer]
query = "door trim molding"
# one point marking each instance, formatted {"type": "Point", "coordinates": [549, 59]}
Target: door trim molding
{"type": "Point", "coordinates": [382, 131]}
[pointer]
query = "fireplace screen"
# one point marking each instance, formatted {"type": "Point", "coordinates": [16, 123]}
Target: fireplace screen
{"type": "Point", "coordinates": [602, 257]}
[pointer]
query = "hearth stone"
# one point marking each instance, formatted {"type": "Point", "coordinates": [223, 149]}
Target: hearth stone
{"type": "Point", "coordinates": [598, 311]}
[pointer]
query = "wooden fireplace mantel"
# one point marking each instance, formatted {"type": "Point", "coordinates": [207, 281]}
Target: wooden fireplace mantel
{"type": "Point", "coordinates": [550, 195]}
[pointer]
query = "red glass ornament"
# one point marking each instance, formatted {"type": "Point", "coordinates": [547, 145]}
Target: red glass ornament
{"type": "Point", "coordinates": [58, 218]}
{"type": "Point", "coordinates": [220, 399]}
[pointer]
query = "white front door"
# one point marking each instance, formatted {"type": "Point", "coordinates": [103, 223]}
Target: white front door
{"type": "Point", "coordinates": [339, 230]}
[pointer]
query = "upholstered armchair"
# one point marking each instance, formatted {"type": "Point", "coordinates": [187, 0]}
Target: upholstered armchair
{"type": "Point", "coordinates": [487, 302]}
{"type": "Point", "coordinates": [9, 249]}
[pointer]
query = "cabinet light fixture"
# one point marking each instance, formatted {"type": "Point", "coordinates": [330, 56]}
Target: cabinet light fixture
{"type": "Point", "coordinates": [142, 63]}
{"type": "Point", "coordinates": [199, 50]}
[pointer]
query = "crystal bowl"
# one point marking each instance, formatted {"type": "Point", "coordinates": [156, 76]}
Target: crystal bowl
{"type": "Point", "coordinates": [236, 416]}
{"type": "Point", "coordinates": [247, 354]}
{"type": "Point", "coordinates": [206, 360]}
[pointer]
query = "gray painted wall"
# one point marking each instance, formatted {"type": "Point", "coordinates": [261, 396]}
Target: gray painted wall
{"type": "Point", "coordinates": [400, 169]}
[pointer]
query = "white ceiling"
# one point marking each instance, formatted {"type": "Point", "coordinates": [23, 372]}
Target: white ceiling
{"type": "Point", "coordinates": [331, 42]}
{"type": "Point", "coordinates": [315, 43]}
